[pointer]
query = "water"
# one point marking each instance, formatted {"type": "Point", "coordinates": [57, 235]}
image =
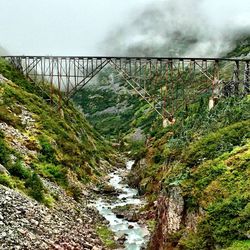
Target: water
{"type": "Point", "coordinates": [136, 236]}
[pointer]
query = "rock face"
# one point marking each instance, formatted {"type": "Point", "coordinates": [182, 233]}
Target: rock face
{"type": "Point", "coordinates": [175, 210]}
{"type": "Point", "coordinates": [25, 224]}
{"type": "Point", "coordinates": [170, 210]}
{"type": "Point", "coordinates": [3, 170]}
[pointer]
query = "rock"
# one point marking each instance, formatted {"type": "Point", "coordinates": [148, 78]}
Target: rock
{"type": "Point", "coordinates": [130, 226]}
{"type": "Point", "coordinates": [34, 222]}
{"type": "Point", "coordinates": [96, 248]}
{"type": "Point", "coordinates": [4, 234]}
{"type": "Point", "coordinates": [175, 209]}
{"type": "Point", "coordinates": [133, 218]}
{"type": "Point", "coordinates": [120, 216]}
{"type": "Point", "coordinates": [3, 79]}
{"type": "Point", "coordinates": [3, 170]}
{"type": "Point", "coordinates": [21, 231]}
{"type": "Point", "coordinates": [30, 225]}
{"type": "Point", "coordinates": [107, 189]}
{"type": "Point", "coordinates": [87, 245]}
{"type": "Point", "coordinates": [122, 240]}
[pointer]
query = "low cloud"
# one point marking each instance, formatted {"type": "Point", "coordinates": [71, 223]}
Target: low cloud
{"type": "Point", "coordinates": [178, 28]}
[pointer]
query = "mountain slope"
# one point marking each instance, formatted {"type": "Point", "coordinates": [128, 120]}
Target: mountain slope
{"type": "Point", "coordinates": [52, 158]}
{"type": "Point", "coordinates": [195, 173]}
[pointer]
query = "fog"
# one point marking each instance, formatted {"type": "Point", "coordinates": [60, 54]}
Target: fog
{"type": "Point", "coordinates": [183, 27]}
{"type": "Point", "coordinates": [117, 27]}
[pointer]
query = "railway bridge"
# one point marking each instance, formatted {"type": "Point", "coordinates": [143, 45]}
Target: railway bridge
{"type": "Point", "coordinates": [164, 83]}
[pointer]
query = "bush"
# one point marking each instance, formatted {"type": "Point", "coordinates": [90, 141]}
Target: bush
{"type": "Point", "coordinates": [227, 220]}
{"type": "Point", "coordinates": [138, 149]}
{"type": "Point", "coordinates": [215, 144]}
{"type": "Point", "coordinates": [6, 180]}
{"type": "Point", "coordinates": [19, 170]}
{"type": "Point", "coordinates": [47, 152]}
{"type": "Point", "coordinates": [55, 173]}
{"type": "Point", "coordinates": [240, 245]}
{"type": "Point", "coordinates": [35, 187]}
{"type": "Point", "coordinates": [76, 192]}
{"type": "Point", "coordinates": [4, 151]}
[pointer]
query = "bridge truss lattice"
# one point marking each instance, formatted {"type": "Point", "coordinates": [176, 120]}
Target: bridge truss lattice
{"type": "Point", "coordinates": [164, 83]}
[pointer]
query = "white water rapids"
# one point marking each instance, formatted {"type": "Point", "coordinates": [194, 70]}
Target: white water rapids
{"type": "Point", "coordinates": [136, 236]}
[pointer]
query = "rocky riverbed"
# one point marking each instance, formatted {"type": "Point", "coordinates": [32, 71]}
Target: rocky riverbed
{"type": "Point", "coordinates": [121, 211]}
{"type": "Point", "coordinates": [26, 224]}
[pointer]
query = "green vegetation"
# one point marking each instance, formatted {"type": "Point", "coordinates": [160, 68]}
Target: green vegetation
{"type": "Point", "coordinates": [211, 164]}
{"type": "Point", "coordinates": [242, 47]}
{"type": "Point", "coordinates": [4, 151]}
{"type": "Point", "coordinates": [205, 152]}
{"type": "Point", "coordinates": [59, 147]}
{"type": "Point", "coordinates": [107, 236]}
{"type": "Point", "coordinates": [35, 187]}
{"type": "Point", "coordinates": [239, 245]}
{"type": "Point", "coordinates": [6, 180]}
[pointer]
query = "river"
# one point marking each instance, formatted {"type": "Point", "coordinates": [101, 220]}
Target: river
{"type": "Point", "coordinates": [136, 234]}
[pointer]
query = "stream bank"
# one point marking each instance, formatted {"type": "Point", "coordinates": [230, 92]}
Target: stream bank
{"type": "Point", "coordinates": [134, 234]}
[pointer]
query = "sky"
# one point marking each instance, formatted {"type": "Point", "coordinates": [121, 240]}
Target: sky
{"type": "Point", "coordinates": [102, 27]}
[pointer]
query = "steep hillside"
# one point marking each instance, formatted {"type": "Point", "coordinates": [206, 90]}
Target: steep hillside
{"type": "Point", "coordinates": [109, 105]}
{"type": "Point", "coordinates": [52, 158]}
{"type": "Point", "coordinates": [195, 173]}
{"type": "Point", "coordinates": [196, 178]}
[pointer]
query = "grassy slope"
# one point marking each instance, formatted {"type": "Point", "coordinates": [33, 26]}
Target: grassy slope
{"type": "Point", "coordinates": [96, 99]}
{"type": "Point", "coordinates": [212, 170]}
{"type": "Point", "coordinates": [207, 154]}
{"type": "Point", "coordinates": [66, 146]}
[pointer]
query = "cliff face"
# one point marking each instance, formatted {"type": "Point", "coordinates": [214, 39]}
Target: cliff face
{"type": "Point", "coordinates": [198, 189]}
{"type": "Point", "coordinates": [50, 159]}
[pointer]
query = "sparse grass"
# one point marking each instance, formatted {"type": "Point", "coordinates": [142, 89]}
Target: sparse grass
{"type": "Point", "coordinates": [107, 236]}
{"type": "Point", "coordinates": [6, 180]}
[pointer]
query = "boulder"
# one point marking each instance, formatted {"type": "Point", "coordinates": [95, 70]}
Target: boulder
{"type": "Point", "coordinates": [3, 170]}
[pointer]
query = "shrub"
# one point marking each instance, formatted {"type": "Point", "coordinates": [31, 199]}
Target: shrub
{"type": "Point", "coordinates": [76, 192]}
{"type": "Point", "coordinates": [4, 151]}
{"type": "Point", "coordinates": [55, 173]}
{"type": "Point", "coordinates": [6, 180]}
{"type": "Point", "coordinates": [223, 225]}
{"type": "Point", "coordinates": [138, 149]}
{"type": "Point", "coordinates": [47, 152]}
{"type": "Point", "coordinates": [19, 170]}
{"type": "Point", "coordinates": [35, 187]}
{"type": "Point", "coordinates": [215, 144]}
{"type": "Point", "coordinates": [240, 245]}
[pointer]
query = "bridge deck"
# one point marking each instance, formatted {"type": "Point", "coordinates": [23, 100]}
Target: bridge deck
{"type": "Point", "coordinates": [131, 58]}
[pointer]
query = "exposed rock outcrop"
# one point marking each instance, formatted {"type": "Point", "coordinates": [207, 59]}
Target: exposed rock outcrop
{"type": "Point", "coordinates": [170, 210]}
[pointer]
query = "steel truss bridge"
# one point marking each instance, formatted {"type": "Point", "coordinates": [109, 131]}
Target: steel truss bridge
{"type": "Point", "coordinates": [164, 83]}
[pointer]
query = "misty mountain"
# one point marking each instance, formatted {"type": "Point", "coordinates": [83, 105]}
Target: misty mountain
{"type": "Point", "coordinates": [176, 28]}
